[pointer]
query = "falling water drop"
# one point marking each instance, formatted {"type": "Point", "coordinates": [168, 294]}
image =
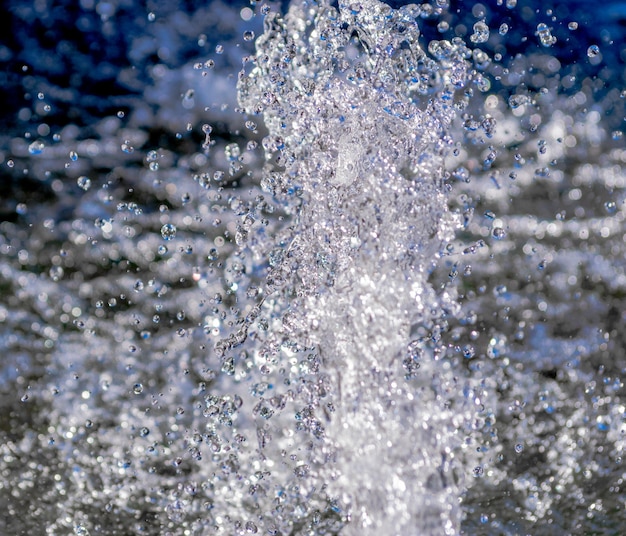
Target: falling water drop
{"type": "Point", "coordinates": [84, 183]}
{"type": "Point", "coordinates": [168, 231]}
{"type": "Point", "coordinates": [36, 147]}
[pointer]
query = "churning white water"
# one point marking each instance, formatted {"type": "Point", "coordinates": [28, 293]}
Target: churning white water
{"type": "Point", "coordinates": [376, 288]}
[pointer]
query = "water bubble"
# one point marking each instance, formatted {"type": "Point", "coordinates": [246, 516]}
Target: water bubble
{"type": "Point", "coordinates": [251, 528]}
{"type": "Point", "coordinates": [36, 147]}
{"type": "Point", "coordinates": [593, 51]}
{"type": "Point", "coordinates": [573, 25]}
{"type": "Point", "coordinates": [84, 183]}
{"type": "Point", "coordinates": [511, 3]}
{"type": "Point", "coordinates": [168, 231]}
{"type": "Point", "coordinates": [504, 28]}
{"type": "Point", "coordinates": [519, 448]}
{"type": "Point", "coordinates": [138, 388]}
{"type": "Point", "coordinates": [73, 156]}
{"type": "Point", "coordinates": [610, 207]}
{"type": "Point", "coordinates": [248, 35]}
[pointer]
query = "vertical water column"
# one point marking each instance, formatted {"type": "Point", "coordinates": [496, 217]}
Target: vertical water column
{"type": "Point", "coordinates": [358, 119]}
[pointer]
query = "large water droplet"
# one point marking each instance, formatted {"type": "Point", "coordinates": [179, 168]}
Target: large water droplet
{"type": "Point", "coordinates": [168, 231]}
{"type": "Point", "coordinates": [36, 147]}
{"type": "Point", "coordinates": [84, 183]}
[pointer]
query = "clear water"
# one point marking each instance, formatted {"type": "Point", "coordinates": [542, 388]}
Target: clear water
{"type": "Point", "coordinates": [316, 268]}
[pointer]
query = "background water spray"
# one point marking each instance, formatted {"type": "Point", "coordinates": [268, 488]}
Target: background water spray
{"type": "Point", "coordinates": [358, 302]}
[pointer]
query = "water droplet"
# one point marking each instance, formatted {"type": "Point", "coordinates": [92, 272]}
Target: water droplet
{"type": "Point", "coordinates": [168, 231]}
{"type": "Point", "coordinates": [36, 147]}
{"type": "Point", "coordinates": [175, 511]}
{"type": "Point", "coordinates": [461, 174]}
{"type": "Point", "coordinates": [138, 388]}
{"type": "Point", "coordinates": [56, 273]}
{"type": "Point", "coordinates": [84, 183]}
{"type": "Point", "coordinates": [515, 101]}
{"type": "Point", "coordinates": [498, 233]}
{"type": "Point", "coordinates": [481, 33]}
{"type": "Point", "coordinates": [73, 156]}
{"type": "Point", "coordinates": [81, 530]}
{"type": "Point", "coordinates": [468, 352]}
{"type": "Point", "coordinates": [127, 147]}
{"type": "Point", "coordinates": [232, 152]}
{"type": "Point", "coordinates": [301, 471]}
{"type": "Point", "coordinates": [545, 36]}
{"type": "Point", "coordinates": [593, 51]}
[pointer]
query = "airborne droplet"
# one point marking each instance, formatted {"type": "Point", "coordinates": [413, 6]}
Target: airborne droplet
{"type": "Point", "coordinates": [84, 183]}
{"type": "Point", "coordinates": [36, 147]}
{"type": "Point", "coordinates": [168, 231]}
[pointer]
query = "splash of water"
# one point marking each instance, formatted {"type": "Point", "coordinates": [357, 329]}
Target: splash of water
{"type": "Point", "coordinates": [359, 125]}
{"type": "Point", "coordinates": [362, 351]}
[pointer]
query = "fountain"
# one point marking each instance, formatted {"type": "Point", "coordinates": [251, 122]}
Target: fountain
{"type": "Point", "coordinates": [343, 297]}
